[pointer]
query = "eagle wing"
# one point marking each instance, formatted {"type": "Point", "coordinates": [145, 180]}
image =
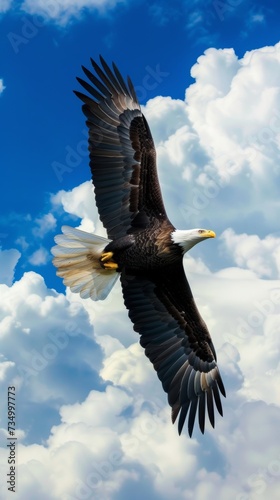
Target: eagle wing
{"type": "Point", "coordinates": [122, 153]}
{"type": "Point", "coordinates": [177, 342]}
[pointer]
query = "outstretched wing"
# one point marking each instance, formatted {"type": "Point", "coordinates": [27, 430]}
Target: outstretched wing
{"type": "Point", "coordinates": [177, 342]}
{"type": "Point", "coordinates": [122, 153]}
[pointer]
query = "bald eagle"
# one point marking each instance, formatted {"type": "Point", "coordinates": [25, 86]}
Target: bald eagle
{"type": "Point", "coordinates": [143, 248]}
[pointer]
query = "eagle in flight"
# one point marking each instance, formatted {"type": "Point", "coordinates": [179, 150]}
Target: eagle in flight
{"type": "Point", "coordinates": [143, 249]}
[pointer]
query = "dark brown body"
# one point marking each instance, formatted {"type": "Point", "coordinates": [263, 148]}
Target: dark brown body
{"type": "Point", "coordinates": [147, 250]}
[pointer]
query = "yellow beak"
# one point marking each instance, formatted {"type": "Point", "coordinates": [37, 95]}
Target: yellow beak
{"type": "Point", "coordinates": [210, 234]}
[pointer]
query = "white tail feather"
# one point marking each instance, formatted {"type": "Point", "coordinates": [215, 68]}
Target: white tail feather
{"type": "Point", "coordinates": [76, 257]}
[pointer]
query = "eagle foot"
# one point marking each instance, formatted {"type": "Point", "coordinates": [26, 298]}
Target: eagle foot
{"type": "Point", "coordinates": [107, 261]}
{"type": "Point", "coordinates": [106, 256]}
{"type": "Point", "coordinates": [110, 265]}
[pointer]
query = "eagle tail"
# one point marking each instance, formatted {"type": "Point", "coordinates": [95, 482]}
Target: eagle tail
{"type": "Point", "coordinates": [76, 257]}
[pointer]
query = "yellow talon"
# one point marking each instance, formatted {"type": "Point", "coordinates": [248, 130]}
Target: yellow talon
{"type": "Point", "coordinates": [106, 256]}
{"type": "Point", "coordinates": [107, 261]}
{"type": "Point", "coordinates": [110, 265]}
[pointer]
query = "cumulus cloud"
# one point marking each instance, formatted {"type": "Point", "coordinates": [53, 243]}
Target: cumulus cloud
{"type": "Point", "coordinates": [122, 437]}
{"type": "Point", "coordinates": [110, 441]}
{"type": "Point", "coordinates": [262, 256]}
{"type": "Point", "coordinates": [80, 202]}
{"type": "Point", "coordinates": [49, 332]}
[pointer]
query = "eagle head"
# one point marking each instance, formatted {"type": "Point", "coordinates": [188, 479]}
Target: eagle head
{"type": "Point", "coordinates": [190, 237]}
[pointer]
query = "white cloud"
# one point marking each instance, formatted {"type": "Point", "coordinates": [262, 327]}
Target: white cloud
{"type": "Point", "coordinates": [129, 368]}
{"type": "Point", "coordinates": [257, 18]}
{"type": "Point", "coordinates": [217, 105]}
{"type": "Point", "coordinates": [123, 436]}
{"type": "Point", "coordinates": [233, 108]}
{"type": "Point", "coordinates": [5, 5]}
{"type": "Point", "coordinates": [4, 368]}
{"type": "Point", "coordinates": [54, 348]}
{"type": "Point", "coordinates": [165, 116]}
{"type": "Point", "coordinates": [8, 261]}
{"type": "Point", "coordinates": [2, 86]}
{"type": "Point", "coordinates": [44, 224]}
{"type": "Point", "coordinates": [81, 203]}
{"type": "Point", "coordinates": [262, 256]}
{"type": "Point", "coordinates": [40, 257]}
{"type": "Point", "coordinates": [106, 441]}
{"type": "Point", "coordinates": [22, 242]}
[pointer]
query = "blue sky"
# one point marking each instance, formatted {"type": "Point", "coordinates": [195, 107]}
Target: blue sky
{"type": "Point", "coordinates": [85, 389]}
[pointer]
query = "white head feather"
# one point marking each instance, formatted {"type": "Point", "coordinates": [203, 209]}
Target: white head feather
{"type": "Point", "coordinates": [188, 238]}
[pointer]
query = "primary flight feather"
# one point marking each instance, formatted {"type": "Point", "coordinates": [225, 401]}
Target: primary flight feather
{"type": "Point", "coordinates": [143, 248]}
